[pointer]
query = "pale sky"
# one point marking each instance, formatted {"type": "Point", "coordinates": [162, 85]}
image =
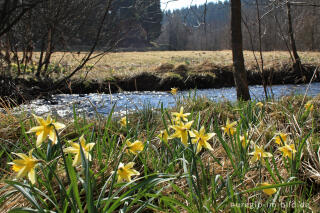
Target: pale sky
{"type": "Point", "coordinates": [177, 4]}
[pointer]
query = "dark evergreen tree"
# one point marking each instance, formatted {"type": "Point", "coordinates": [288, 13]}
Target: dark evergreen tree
{"type": "Point", "coordinates": [140, 19]}
{"type": "Point", "coordinates": [150, 18]}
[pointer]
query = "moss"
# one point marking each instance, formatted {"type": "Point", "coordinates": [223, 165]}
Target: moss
{"type": "Point", "coordinates": [110, 78]}
{"type": "Point", "coordinates": [164, 67]}
{"type": "Point", "coordinates": [172, 76]}
{"type": "Point", "coordinates": [86, 84]}
{"type": "Point", "coordinates": [181, 68]}
{"type": "Point", "coordinates": [202, 74]}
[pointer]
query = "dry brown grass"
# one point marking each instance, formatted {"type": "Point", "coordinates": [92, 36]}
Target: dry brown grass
{"type": "Point", "coordinates": [126, 64]}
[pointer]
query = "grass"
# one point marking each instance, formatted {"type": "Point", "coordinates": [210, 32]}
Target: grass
{"type": "Point", "coordinates": [173, 177]}
{"type": "Point", "coordinates": [127, 64]}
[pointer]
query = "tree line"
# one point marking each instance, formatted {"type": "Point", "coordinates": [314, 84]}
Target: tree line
{"type": "Point", "coordinates": [207, 27]}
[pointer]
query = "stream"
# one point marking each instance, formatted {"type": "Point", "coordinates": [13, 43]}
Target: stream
{"type": "Point", "coordinates": [90, 104]}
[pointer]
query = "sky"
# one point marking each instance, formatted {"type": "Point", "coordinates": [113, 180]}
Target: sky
{"type": "Point", "coordinates": [177, 4]}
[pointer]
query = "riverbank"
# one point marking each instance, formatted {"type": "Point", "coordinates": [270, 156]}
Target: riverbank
{"type": "Point", "coordinates": [172, 174]}
{"type": "Point", "coordinates": [118, 72]}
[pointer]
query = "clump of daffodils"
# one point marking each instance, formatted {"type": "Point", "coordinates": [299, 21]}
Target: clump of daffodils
{"type": "Point", "coordinates": [182, 130]}
{"type": "Point", "coordinates": [25, 166]}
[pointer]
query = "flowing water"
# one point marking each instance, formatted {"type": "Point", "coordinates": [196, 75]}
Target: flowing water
{"type": "Point", "coordinates": [90, 104]}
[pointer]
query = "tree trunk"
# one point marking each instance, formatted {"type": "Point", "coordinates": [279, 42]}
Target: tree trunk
{"type": "Point", "coordinates": [314, 20]}
{"type": "Point", "coordinates": [297, 64]}
{"type": "Point", "coordinates": [239, 72]}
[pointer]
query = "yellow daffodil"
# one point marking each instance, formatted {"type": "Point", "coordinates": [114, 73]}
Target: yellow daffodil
{"type": "Point", "coordinates": [288, 150]}
{"type": "Point", "coordinates": [163, 136]}
{"type": "Point", "coordinates": [259, 154]}
{"type": "Point", "coordinates": [123, 121]}
{"type": "Point", "coordinates": [174, 91]}
{"type": "Point", "coordinates": [281, 137]}
{"type": "Point", "coordinates": [181, 131]}
{"type": "Point", "coordinates": [180, 116]}
{"type": "Point", "coordinates": [125, 172]}
{"type": "Point", "coordinates": [14, 65]}
{"type": "Point", "coordinates": [25, 166]}
{"type": "Point", "coordinates": [75, 149]}
{"type": "Point", "coordinates": [269, 191]}
{"type": "Point", "coordinates": [244, 140]}
{"type": "Point", "coordinates": [308, 106]}
{"type": "Point", "coordinates": [176, 122]}
{"type": "Point", "coordinates": [229, 128]}
{"type": "Point", "coordinates": [46, 129]}
{"type": "Point", "coordinates": [201, 138]}
{"type": "Point", "coordinates": [134, 147]}
{"type": "Point", "coordinates": [259, 104]}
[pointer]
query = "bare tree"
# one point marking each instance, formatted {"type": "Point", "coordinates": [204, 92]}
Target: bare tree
{"type": "Point", "coordinates": [239, 72]}
{"type": "Point", "coordinates": [11, 12]}
{"type": "Point", "coordinates": [297, 64]}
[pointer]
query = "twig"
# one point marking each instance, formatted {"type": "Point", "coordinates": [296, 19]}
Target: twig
{"type": "Point", "coordinates": [305, 94]}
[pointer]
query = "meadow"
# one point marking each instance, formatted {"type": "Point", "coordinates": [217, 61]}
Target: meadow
{"type": "Point", "coordinates": [149, 71]}
{"type": "Point", "coordinates": [127, 64]}
{"type": "Point", "coordinates": [199, 156]}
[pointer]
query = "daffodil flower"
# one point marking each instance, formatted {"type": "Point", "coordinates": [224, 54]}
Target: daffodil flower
{"type": "Point", "coordinates": [259, 154]}
{"type": "Point", "coordinates": [163, 136]}
{"type": "Point", "coordinates": [229, 128]}
{"type": "Point", "coordinates": [288, 150]}
{"type": "Point", "coordinates": [174, 91]}
{"type": "Point", "coordinates": [125, 172]}
{"type": "Point", "coordinates": [134, 147]}
{"type": "Point", "coordinates": [181, 131]}
{"type": "Point", "coordinates": [46, 129]}
{"type": "Point", "coordinates": [75, 149]}
{"type": "Point", "coordinates": [309, 106]}
{"type": "Point", "coordinates": [14, 65]}
{"type": "Point", "coordinates": [201, 138]}
{"type": "Point", "coordinates": [180, 116]}
{"type": "Point", "coordinates": [259, 104]}
{"type": "Point", "coordinates": [123, 121]}
{"type": "Point", "coordinates": [25, 166]}
{"type": "Point", "coordinates": [281, 137]}
{"type": "Point", "coordinates": [269, 191]}
{"type": "Point", "coordinates": [244, 140]}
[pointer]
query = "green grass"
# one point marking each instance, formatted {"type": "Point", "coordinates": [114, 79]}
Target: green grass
{"type": "Point", "coordinates": [173, 177]}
